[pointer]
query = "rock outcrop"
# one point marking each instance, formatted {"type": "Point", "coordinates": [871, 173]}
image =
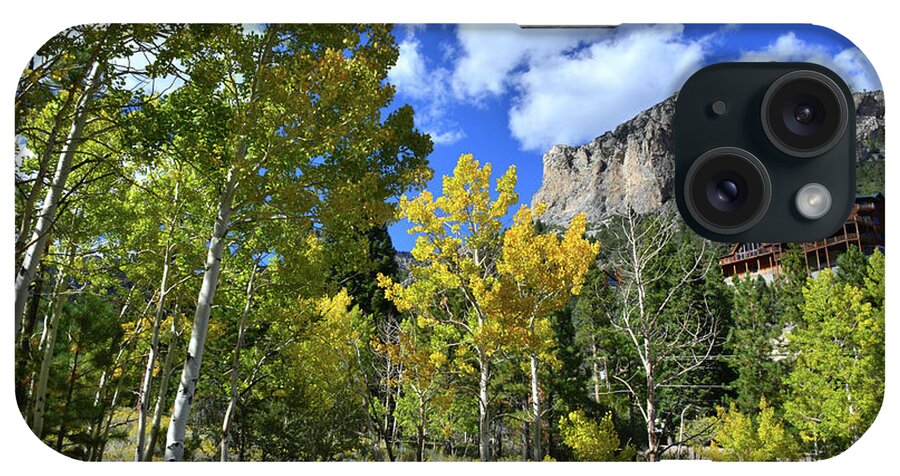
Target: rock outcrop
{"type": "Point", "coordinates": [633, 165]}
{"type": "Point", "coordinates": [404, 260]}
{"type": "Point", "coordinates": [869, 126]}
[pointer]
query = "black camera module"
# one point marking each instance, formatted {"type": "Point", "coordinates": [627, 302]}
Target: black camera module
{"type": "Point", "coordinates": [804, 113]}
{"type": "Point", "coordinates": [779, 167]}
{"type": "Point", "coordinates": [728, 190]}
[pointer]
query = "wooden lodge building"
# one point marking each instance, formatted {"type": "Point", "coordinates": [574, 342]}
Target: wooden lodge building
{"type": "Point", "coordinates": [864, 229]}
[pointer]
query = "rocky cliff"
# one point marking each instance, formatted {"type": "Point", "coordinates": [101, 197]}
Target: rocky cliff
{"type": "Point", "coordinates": [633, 165]}
{"type": "Point", "coordinates": [404, 260]}
{"type": "Point", "coordinates": [869, 126]}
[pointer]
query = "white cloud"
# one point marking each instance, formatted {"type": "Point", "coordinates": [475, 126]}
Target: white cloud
{"type": "Point", "coordinates": [428, 88]}
{"type": "Point", "coordinates": [849, 63]}
{"type": "Point", "coordinates": [569, 86]}
{"type": "Point", "coordinates": [409, 75]}
{"type": "Point", "coordinates": [571, 96]}
{"type": "Point", "coordinates": [491, 52]}
{"type": "Point", "coordinates": [447, 137]}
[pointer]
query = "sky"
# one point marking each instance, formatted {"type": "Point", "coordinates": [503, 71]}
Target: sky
{"type": "Point", "coordinates": [507, 94]}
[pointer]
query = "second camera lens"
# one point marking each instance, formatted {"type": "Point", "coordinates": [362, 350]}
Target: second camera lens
{"type": "Point", "coordinates": [804, 113]}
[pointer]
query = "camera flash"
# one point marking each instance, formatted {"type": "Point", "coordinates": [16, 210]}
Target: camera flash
{"type": "Point", "coordinates": [813, 201]}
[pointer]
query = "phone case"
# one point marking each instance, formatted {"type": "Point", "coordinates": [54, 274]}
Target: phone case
{"type": "Point", "coordinates": [420, 243]}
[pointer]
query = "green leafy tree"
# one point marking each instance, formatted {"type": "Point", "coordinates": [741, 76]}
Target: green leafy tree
{"type": "Point", "coordinates": [593, 441]}
{"type": "Point", "coordinates": [421, 354]}
{"type": "Point", "coordinates": [78, 79]}
{"type": "Point", "coordinates": [751, 437]}
{"type": "Point", "coordinates": [88, 327]}
{"type": "Point", "coordinates": [873, 282]}
{"type": "Point", "coordinates": [538, 273]}
{"type": "Point", "coordinates": [458, 245]}
{"type": "Point", "coordinates": [566, 380]}
{"type": "Point", "coordinates": [325, 159]}
{"type": "Point", "coordinates": [312, 405]}
{"type": "Point", "coordinates": [836, 385]}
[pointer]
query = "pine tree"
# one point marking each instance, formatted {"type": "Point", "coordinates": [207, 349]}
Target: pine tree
{"type": "Point", "coordinates": [851, 267]}
{"type": "Point", "coordinates": [753, 344]}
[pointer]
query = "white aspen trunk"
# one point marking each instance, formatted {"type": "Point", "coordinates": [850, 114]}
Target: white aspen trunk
{"type": "Point", "coordinates": [147, 382]}
{"type": "Point", "coordinates": [606, 375]}
{"type": "Point", "coordinates": [38, 188]}
{"type": "Point", "coordinates": [28, 207]}
{"type": "Point", "coordinates": [34, 251]}
{"type": "Point", "coordinates": [420, 431]}
{"type": "Point", "coordinates": [652, 441]}
{"type": "Point", "coordinates": [388, 408]}
{"type": "Point", "coordinates": [92, 427]}
{"type": "Point", "coordinates": [25, 340]}
{"type": "Point", "coordinates": [163, 392]}
{"type": "Point", "coordinates": [145, 452]}
{"type": "Point", "coordinates": [536, 408]}
{"type": "Point", "coordinates": [596, 368]}
{"type": "Point", "coordinates": [191, 371]}
{"type": "Point", "coordinates": [484, 418]}
{"type": "Point", "coordinates": [30, 317]}
{"type": "Point", "coordinates": [147, 386]}
{"type": "Point", "coordinates": [235, 369]}
{"type": "Point", "coordinates": [51, 325]}
{"type": "Point", "coordinates": [395, 428]}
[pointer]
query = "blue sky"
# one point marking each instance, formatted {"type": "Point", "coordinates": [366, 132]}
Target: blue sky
{"type": "Point", "coordinates": [507, 94]}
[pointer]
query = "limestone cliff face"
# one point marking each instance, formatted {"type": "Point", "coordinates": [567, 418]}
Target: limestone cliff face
{"type": "Point", "coordinates": [633, 165]}
{"type": "Point", "coordinates": [869, 126]}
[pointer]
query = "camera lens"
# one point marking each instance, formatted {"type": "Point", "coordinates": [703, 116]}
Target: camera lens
{"type": "Point", "coordinates": [727, 190]}
{"type": "Point", "coordinates": [804, 113]}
